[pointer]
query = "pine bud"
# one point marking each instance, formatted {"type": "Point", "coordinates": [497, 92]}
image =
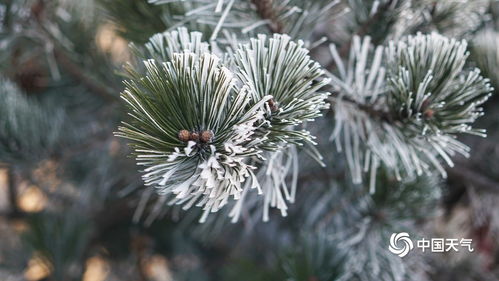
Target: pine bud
{"type": "Point", "coordinates": [206, 136]}
{"type": "Point", "coordinates": [273, 105]}
{"type": "Point", "coordinates": [184, 135]}
{"type": "Point", "coordinates": [195, 137]}
{"type": "Point", "coordinates": [429, 113]}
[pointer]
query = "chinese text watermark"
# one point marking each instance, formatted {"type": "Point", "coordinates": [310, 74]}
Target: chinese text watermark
{"type": "Point", "coordinates": [401, 244]}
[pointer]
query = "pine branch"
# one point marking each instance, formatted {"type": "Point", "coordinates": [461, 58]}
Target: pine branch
{"type": "Point", "coordinates": [182, 141]}
{"type": "Point", "coordinates": [190, 125]}
{"type": "Point", "coordinates": [290, 105]}
{"type": "Point", "coordinates": [335, 94]}
{"type": "Point", "coordinates": [265, 10]}
{"type": "Point", "coordinates": [428, 99]}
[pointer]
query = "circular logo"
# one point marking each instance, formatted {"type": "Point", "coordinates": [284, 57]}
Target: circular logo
{"type": "Point", "coordinates": [400, 244]}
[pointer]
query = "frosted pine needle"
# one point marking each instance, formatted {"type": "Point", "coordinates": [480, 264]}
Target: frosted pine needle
{"type": "Point", "coordinates": [404, 107]}
{"type": "Point", "coordinates": [197, 94]}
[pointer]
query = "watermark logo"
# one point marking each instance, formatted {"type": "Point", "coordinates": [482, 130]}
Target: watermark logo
{"type": "Point", "coordinates": [401, 244]}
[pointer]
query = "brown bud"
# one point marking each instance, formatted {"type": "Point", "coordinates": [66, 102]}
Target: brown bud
{"type": "Point", "coordinates": [207, 136]}
{"type": "Point", "coordinates": [195, 137]}
{"type": "Point", "coordinates": [273, 105]}
{"type": "Point", "coordinates": [184, 135]}
{"type": "Point", "coordinates": [429, 113]}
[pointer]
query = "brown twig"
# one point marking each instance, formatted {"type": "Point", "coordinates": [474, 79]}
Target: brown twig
{"type": "Point", "coordinates": [12, 192]}
{"type": "Point", "coordinates": [265, 10]}
{"type": "Point", "coordinates": [368, 109]}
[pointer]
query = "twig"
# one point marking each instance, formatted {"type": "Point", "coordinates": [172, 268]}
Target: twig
{"type": "Point", "coordinates": [375, 113]}
{"type": "Point", "coordinates": [12, 192]}
{"type": "Point", "coordinates": [265, 10]}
